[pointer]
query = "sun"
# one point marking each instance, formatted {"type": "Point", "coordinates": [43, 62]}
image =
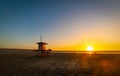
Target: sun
{"type": "Point", "coordinates": [90, 48]}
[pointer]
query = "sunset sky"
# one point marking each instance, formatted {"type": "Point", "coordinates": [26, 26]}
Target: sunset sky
{"type": "Point", "coordinates": [64, 25]}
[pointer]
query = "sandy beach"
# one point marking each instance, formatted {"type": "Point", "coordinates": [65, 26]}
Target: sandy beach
{"type": "Point", "coordinates": [25, 63]}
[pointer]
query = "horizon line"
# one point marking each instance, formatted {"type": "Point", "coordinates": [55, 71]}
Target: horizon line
{"type": "Point", "coordinates": [63, 50]}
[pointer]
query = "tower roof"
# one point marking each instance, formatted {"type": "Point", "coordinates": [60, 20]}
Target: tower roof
{"type": "Point", "coordinates": [42, 43]}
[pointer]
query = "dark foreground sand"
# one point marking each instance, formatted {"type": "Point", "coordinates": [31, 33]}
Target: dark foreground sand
{"type": "Point", "coordinates": [24, 63]}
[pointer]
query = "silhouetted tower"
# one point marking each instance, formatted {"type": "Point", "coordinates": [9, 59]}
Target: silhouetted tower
{"type": "Point", "coordinates": [42, 48]}
{"type": "Point", "coordinates": [41, 45]}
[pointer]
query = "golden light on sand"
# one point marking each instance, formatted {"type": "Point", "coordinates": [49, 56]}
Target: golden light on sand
{"type": "Point", "coordinates": [90, 48]}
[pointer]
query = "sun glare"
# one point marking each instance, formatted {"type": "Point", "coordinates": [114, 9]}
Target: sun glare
{"type": "Point", "coordinates": [89, 48]}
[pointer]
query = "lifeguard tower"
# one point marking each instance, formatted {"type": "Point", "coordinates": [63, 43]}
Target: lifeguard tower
{"type": "Point", "coordinates": [42, 48]}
